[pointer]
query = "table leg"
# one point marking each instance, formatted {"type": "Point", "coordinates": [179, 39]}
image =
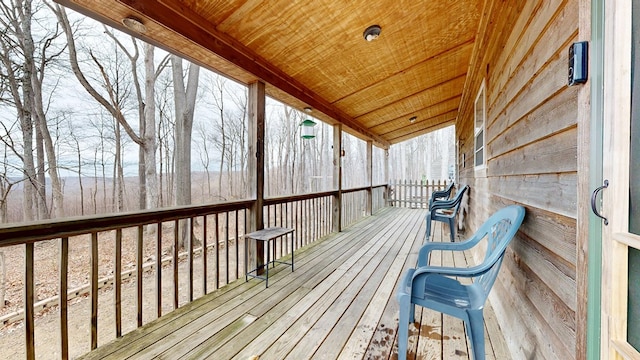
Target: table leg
{"type": "Point", "coordinates": [292, 252]}
{"type": "Point", "coordinates": [267, 273]}
{"type": "Point", "coordinates": [246, 267]}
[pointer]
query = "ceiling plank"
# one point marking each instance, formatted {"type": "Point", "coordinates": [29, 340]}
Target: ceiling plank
{"type": "Point", "coordinates": [424, 75]}
{"type": "Point", "coordinates": [412, 104]}
{"type": "Point", "coordinates": [440, 108]}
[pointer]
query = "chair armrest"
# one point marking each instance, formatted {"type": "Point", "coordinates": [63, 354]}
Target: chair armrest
{"type": "Point", "coordinates": [404, 286]}
{"type": "Point", "coordinates": [423, 254]}
{"type": "Point", "coordinates": [440, 194]}
{"type": "Point", "coordinates": [452, 271]}
{"type": "Point", "coordinates": [442, 204]}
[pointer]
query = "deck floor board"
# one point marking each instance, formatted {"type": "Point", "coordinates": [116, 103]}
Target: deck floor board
{"type": "Point", "coordinates": [339, 303]}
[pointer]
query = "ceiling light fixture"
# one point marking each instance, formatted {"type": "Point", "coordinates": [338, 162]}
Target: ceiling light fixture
{"type": "Point", "coordinates": [372, 32]}
{"type": "Point", "coordinates": [413, 119]}
{"type": "Point", "coordinates": [134, 24]}
{"type": "Point", "coordinates": [308, 109]}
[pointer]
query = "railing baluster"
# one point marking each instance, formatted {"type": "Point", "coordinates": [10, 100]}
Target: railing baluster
{"type": "Point", "coordinates": [307, 222]}
{"type": "Point", "coordinates": [285, 214]}
{"type": "Point", "coordinates": [29, 295]}
{"type": "Point", "coordinates": [422, 198]}
{"type": "Point", "coordinates": [295, 215]}
{"type": "Point", "coordinates": [268, 216]}
{"type": "Point", "coordinates": [237, 241]}
{"type": "Point", "coordinates": [244, 231]}
{"type": "Point", "coordinates": [217, 246]}
{"type": "Point", "coordinates": [190, 258]}
{"type": "Point", "coordinates": [94, 290]}
{"type": "Point", "coordinates": [204, 255]}
{"type": "Point", "coordinates": [176, 233]}
{"type": "Point", "coordinates": [117, 282]}
{"type": "Point", "coordinates": [159, 269]}
{"type": "Point", "coordinates": [275, 223]}
{"type": "Point", "coordinates": [139, 250]}
{"type": "Point", "coordinates": [327, 215]}
{"type": "Point", "coordinates": [64, 288]}
{"type": "Point", "coordinates": [226, 246]}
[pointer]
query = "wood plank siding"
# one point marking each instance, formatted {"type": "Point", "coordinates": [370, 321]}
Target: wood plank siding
{"type": "Point", "coordinates": [338, 304]}
{"type": "Point", "coordinates": [531, 146]}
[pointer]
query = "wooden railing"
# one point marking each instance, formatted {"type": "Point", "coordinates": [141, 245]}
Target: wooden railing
{"type": "Point", "coordinates": [413, 193]}
{"type": "Point", "coordinates": [212, 254]}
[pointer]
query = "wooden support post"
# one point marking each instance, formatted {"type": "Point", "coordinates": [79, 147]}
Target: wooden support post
{"type": "Point", "coordinates": [386, 177]}
{"type": "Point", "coordinates": [256, 170]}
{"type": "Point", "coordinates": [93, 274]}
{"type": "Point", "coordinates": [337, 177]}
{"type": "Point", "coordinates": [29, 295]}
{"type": "Point", "coordinates": [64, 305]}
{"type": "Point", "coordinates": [369, 177]}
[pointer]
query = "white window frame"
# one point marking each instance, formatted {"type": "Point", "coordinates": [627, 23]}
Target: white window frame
{"type": "Point", "coordinates": [477, 130]}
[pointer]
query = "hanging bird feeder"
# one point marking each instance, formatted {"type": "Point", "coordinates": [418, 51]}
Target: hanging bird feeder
{"type": "Point", "coordinates": [307, 130]}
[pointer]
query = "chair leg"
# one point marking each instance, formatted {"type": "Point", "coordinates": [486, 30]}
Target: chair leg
{"type": "Point", "coordinates": [428, 232]}
{"type": "Point", "coordinates": [452, 229]}
{"type": "Point", "coordinates": [476, 333]}
{"type": "Point", "coordinates": [403, 327]}
{"type": "Point", "coordinates": [412, 313]}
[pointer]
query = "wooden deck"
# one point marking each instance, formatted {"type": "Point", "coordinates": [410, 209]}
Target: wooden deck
{"type": "Point", "coordinates": [338, 304]}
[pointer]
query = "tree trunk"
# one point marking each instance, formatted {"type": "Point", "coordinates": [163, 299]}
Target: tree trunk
{"type": "Point", "coordinates": [3, 279]}
{"type": "Point", "coordinates": [184, 99]}
{"type": "Point", "coordinates": [118, 177]}
{"type": "Point", "coordinates": [41, 180]}
{"type": "Point", "coordinates": [52, 161]}
{"type": "Point", "coordinates": [149, 136]}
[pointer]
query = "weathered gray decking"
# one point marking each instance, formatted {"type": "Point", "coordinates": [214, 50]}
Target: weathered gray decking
{"type": "Point", "coordinates": [338, 304]}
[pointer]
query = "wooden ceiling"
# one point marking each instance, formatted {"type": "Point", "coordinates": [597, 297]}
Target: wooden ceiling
{"type": "Point", "coordinates": [312, 53]}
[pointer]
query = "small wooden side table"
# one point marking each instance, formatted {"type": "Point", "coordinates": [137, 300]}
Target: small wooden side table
{"type": "Point", "coordinates": [267, 235]}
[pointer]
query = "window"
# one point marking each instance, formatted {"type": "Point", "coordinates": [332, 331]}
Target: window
{"type": "Point", "coordinates": [480, 114]}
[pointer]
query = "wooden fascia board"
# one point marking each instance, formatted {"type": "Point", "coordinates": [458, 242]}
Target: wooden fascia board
{"type": "Point", "coordinates": [477, 55]}
{"type": "Point", "coordinates": [176, 18]}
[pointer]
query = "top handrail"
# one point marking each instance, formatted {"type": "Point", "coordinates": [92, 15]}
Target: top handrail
{"type": "Point", "coordinates": [15, 234]}
{"type": "Point", "coordinates": [31, 232]}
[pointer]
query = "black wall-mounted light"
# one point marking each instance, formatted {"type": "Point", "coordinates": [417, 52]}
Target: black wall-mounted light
{"type": "Point", "coordinates": [372, 32]}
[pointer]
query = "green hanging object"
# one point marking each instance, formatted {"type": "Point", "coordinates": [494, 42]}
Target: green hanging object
{"type": "Point", "coordinates": [306, 129]}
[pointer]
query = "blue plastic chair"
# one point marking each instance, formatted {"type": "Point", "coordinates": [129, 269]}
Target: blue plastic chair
{"type": "Point", "coordinates": [445, 211]}
{"type": "Point", "coordinates": [441, 194]}
{"type": "Point", "coordinates": [435, 287]}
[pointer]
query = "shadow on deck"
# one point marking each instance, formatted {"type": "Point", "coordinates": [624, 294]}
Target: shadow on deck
{"type": "Point", "coordinates": [338, 304]}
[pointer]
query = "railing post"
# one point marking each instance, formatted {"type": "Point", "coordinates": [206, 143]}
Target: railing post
{"type": "Point", "coordinates": [256, 169]}
{"type": "Point", "coordinates": [423, 200]}
{"type": "Point", "coordinates": [386, 176]}
{"type": "Point", "coordinates": [369, 210]}
{"type": "Point", "coordinates": [337, 177]}
{"type": "Point", "coordinates": [64, 288]}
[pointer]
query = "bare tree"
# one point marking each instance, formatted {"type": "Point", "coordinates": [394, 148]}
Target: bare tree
{"type": "Point", "coordinates": [165, 136]}
{"type": "Point", "coordinates": [114, 100]}
{"type": "Point", "coordinates": [220, 139]}
{"type": "Point", "coordinates": [205, 155]}
{"type": "Point", "coordinates": [25, 60]}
